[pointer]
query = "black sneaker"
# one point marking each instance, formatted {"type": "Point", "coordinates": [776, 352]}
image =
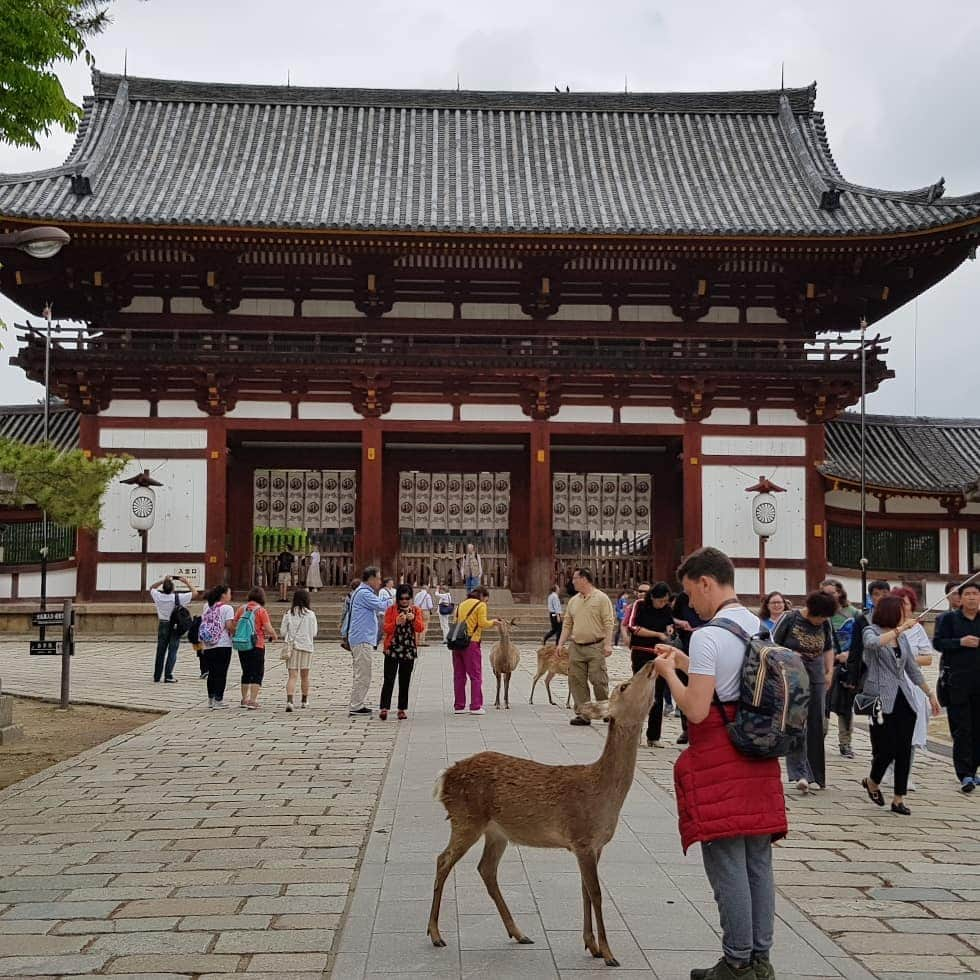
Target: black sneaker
{"type": "Point", "coordinates": [360, 713]}
{"type": "Point", "coordinates": [170, 680]}
{"type": "Point", "coordinates": [579, 720]}
{"type": "Point", "coordinates": [723, 970]}
{"type": "Point", "coordinates": [682, 739]}
{"type": "Point", "coordinates": [847, 752]}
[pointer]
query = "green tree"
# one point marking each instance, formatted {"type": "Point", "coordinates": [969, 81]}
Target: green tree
{"type": "Point", "coordinates": [68, 485]}
{"type": "Point", "coordinates": [34, 35]}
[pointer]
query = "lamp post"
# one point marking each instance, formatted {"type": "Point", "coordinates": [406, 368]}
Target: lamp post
{"type": "Point", "coordinates": [142, 512]}
{"type": "Point", "coordinates": [864, 483]}
{"type": "Point", "coordinates": [764, 520]}
{"type": "Point", "coordinates": [42, 242]}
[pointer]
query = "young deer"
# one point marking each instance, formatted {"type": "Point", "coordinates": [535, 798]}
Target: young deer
{"type": "Point", "coordinates": [550, 664]}
{"type": "Point", "coordinates": [504, 658]}
{"type": "Point", "coordinates": [507, 799]}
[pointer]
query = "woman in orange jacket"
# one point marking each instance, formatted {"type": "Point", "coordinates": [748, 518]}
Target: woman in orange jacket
{"type": "Point", "coordinates": [403, 622]}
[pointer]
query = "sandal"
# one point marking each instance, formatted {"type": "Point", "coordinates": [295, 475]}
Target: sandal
{"type": "Point", "coordinates": [873, 795]}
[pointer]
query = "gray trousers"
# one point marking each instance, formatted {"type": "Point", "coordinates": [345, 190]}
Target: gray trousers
{"type": "Point", "coordinates": [361, 655]}
{"type": "Point", "coordinates": [740, 872]}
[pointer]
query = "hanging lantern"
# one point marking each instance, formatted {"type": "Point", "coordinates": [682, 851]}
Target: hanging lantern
{"type": "Point", "coordinates": [142, 500]}
{"type": "Point", "coordinates": [764, 510]}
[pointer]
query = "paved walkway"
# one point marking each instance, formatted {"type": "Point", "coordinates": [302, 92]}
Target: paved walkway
{"type": "Point", "coordinates": [212, 843]}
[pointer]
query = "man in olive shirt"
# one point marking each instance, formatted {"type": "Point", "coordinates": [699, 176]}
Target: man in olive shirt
{"type": "Point", "coordinates": [588, 630]}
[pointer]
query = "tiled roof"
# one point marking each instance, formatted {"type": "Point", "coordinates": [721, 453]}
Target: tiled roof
{"type": "Point", "coordinates": [194, 154]}
{"type": "Point", "coordinates": [26, 424]}
{"type": "Point", "coordinates": [925, 455]}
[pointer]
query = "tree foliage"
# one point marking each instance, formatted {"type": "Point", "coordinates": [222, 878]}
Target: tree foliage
{"type": "Point", "coordinates": [34, 34]}
{"type": "Point", "coordinates": [67, 484]}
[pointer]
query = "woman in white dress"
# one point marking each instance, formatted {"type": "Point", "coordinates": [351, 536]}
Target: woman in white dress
{"type": "Point", "coordinates": [299, 628]}
{"type": "Point", "coordinates": [313, 580]}
{"type": "Point", "coordinates": [446, 606]}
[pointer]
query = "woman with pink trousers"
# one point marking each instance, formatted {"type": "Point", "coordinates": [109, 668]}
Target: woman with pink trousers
{"type": "Point", "coordinates": [468, 663]}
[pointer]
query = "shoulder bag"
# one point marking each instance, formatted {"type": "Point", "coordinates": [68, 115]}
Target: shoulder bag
{"type": "Point", "coordinates": [458, 635]}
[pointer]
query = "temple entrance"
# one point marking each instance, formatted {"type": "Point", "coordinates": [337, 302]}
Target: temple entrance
{"type": "Point", "coordinates": [439, 514]}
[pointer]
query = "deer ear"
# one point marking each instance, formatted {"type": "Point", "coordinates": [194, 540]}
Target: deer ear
{"type": "Point", "coordinates": [594, 709]}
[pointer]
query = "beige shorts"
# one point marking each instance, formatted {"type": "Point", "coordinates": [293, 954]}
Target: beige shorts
{"type": "Point", "coordinates": [285, 578]}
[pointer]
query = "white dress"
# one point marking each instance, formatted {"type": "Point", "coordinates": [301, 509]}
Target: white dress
{"type": "Point", "coordinates": [920, 643]}
{"type": "Point", "coordinates": [313, 580]}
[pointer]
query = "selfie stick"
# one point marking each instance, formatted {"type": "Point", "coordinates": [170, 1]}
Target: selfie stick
{"type": "Point", "coordinates": [965, 581]}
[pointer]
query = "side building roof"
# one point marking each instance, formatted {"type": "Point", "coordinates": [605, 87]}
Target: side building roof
{"type": "Point", "coordinates": [195, 154]}
{"type": "Point", "coordinates": [25, 423]}
{"type": "Point", "coordinates": [905, 454]}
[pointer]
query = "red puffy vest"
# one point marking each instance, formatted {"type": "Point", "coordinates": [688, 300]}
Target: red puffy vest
{"type": "Point", "coordinates": [722, 793]}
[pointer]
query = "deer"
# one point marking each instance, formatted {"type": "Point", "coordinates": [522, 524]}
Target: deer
{"type": "Point", "coordinates": [550, 664]}
{"type": "Point", "coordinates": [504, 658]}
{"type": "Point", "coordinates": [510, 800]}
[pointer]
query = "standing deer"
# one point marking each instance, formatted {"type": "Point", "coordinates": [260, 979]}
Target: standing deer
{"type": "Point", "coordinates": [550, 664]}
{"type": "Point", "coordinates": [507, 799]}
{"type": "Point", "coordinates": [504, 658]}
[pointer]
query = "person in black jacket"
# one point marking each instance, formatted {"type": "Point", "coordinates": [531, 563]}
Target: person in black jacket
{"type": "Point", "coordinates": [958, 640]}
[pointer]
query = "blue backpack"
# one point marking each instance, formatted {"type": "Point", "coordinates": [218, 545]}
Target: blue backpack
{"type": "Point", "coordinates": [244, 638]}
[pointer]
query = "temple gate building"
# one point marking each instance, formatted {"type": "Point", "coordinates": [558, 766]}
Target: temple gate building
{"type": "Point", "coordinates": [566, 327]}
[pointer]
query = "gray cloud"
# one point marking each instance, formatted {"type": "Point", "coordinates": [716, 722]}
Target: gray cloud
{"type": "Point", "coordinates": [897, 84]}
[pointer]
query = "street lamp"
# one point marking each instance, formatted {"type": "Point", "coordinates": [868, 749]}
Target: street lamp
{"type": "Point", "coordinates": [40, 243]}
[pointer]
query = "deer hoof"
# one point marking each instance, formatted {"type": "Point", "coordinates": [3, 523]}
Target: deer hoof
{"type": "Point", "coordinates": [612, 961]}
{"type": "Point", "coordinates": [438, 942]}
{"type": "Point", "coordinates": [525, 940]}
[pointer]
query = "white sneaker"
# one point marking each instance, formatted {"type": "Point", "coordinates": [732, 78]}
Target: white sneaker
{"type": "Point", "coordinates": [460, 711]}
{"type": "Point", "coordinates": [210, 702]}
{"type": "Point", "coordinates": [814, 787]}
{"type": "Point", "coordinates": [803, 786]}
{"type": "Point", "coordinates": [289, 706]}
{"type": "Point", "coordinates": [219, 704]}
{"type": "Point", "coordinates": [479, 711]}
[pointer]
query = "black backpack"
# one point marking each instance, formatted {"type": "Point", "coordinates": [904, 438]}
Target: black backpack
{"type": "Point", "coordinates": [458, 635]}
{"type": "Point", "coordinates": [181, 619]}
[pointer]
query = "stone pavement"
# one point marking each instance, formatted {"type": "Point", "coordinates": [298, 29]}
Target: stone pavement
{"type": "Point", "coordinates": [212, 843]}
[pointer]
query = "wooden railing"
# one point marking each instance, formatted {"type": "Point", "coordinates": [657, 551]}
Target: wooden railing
{"type": "Point", "coordinates": [615, 563]}
{"type": "Point", "coordinates": [429, 558]}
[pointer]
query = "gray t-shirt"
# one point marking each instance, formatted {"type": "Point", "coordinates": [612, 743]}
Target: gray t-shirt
{"type": "Point", "coordinates": [717, 653]}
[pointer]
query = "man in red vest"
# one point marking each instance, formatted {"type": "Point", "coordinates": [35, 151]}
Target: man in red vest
{"type": "Point", "coordinates": [729, 803]}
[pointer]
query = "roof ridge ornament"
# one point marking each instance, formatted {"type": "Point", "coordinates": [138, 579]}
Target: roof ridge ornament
{"type": "Point", "coordinates": [81, 179]}
{"type": "Point", "coordinates": [826, 191]}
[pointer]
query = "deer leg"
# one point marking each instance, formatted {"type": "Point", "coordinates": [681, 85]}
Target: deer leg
{"type": "Point", "coordinates": [496, 703]}
{"type": "Point", "coordinates": [588, 935]}
{"type": "Point", "coordinates": [537, 676]}
{"type": "Point", "coordinates": [588, 866]}
{"type": "Point", "coordinates": [507, 691]}
{"type": "Point", "coordinates": [493, 850]}
{"type": "Point", "coordinates": [547, 684]}
{"type": "Point", "coordinates": [460, 841]}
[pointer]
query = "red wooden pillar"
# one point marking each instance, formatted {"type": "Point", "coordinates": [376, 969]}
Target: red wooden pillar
{"type": "Point", "coordinates": [87, 545]}
{"type": "Point", "coordinates": [954, 547]}
{"type": "Point", "coordinates": [540, 571]}
{"type": "Point", "coordinates": [370, 516]}
{"type": "Point", "coordinates": [693, 524]}
{"type": "Point", "coordinates": [816, 508]}
{"type": "Point", "coordinates": [216, 535]}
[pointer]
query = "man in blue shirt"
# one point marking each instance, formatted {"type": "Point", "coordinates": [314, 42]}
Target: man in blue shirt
{"type": "Point", "coordinates": [362, 636]}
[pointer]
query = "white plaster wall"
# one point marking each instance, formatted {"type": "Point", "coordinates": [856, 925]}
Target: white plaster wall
{"type": "Point", "coordinates": [944, 551]}
{"type": "Point", "coordinates": [337, 411]}
{"type": "Point", "coordinates": [721, 314]}
{"type": "Point", "coordinates": [171, 408]}
{"type": "Point", "coordinates": [648, 314]}
{"type": "Point", "coordinates": [438, 311]}
{"type": "Point", "coordinates": [582, 311]}
{"type": "Point", "coordinates": [181, 509]}
{"type": "Point", "coordinates": [762, 314]}
{"type": "Point", "coordinates": [192, 571]}
{"type": "Point", "coordinates": [852, 586]}
{"type": "Point", "coordinates": [6, 586]}
{"type": "Point", "coordinates": [264, 307]}
{"type": "Point", "coordinates": [584, 413]}
{"type": "Point", "coordinates": [188, 304]}
{"type": "Point", "coordinates": [144, 304]}
{"type": "Point", "coordinates": [126, 408]}
{"type": "Point", "coordinates": [491, 413]}
{"type": "Point", "coordinates": [791, 581]}
{"type": "Point", "coordinates": [421, 412]}
{"type": "Point", "coordinates": [649, 415]}
{"type": "Point", "coordinates": [137, 439]}
{"type": "Point", "coordinates": [330, 307]}
{"type": "Point", "coordinates": [972, 508]}
{"type": "Point", "coordinates": [728, 416]}
{"type": "Point", "coordinates": [935, 591]}
{"type": "Point", "coordinates": [966, 562]}
{"type": "Point", "coordinates": [747, 585]}
{"type": "Point", "coordinates": [846, 500]}
{"type": "Point", "coordinates": [727, 519]}
{"type": "Point", "coordinates": [493, 311]}
{"type": "Point", "coordinates": [118, 577]}
{"type": "Point", "coordinates": [61, 584]}
{"type": "Point", "coordinates": [779, 416]}
{"type": "Point", "coordinates": [260, 410]}
{"type": "Point", "coordinates": [911, 505]}
{"type": "Point", "coordinates": [752, 446]}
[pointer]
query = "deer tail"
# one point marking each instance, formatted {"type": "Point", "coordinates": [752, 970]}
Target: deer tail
{"type": "Point", "coordinates": [438, 786]}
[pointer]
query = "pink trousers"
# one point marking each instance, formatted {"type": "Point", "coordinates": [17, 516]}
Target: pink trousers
{"type": "Point", "coordinates": [468, 663]}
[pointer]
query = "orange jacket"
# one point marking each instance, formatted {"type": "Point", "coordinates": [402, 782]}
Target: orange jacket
{"type": "Point", "coordinates": [391, 614]}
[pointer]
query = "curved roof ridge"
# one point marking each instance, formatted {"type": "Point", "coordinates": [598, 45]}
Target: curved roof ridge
{"type": "Point", "coordinates": [764, 101]}
{"type": "Point", "coordinates": [818, 184]}
{"type": "Point", "coordinates": [930, 194]}
{"type": "Point", "coordinates": [931, 421]}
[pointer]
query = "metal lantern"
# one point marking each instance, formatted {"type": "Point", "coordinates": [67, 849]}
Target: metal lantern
{"type": "Point", "coordinates": [764, 510]}
{"type": "Point", "coordinates": [142, 500]}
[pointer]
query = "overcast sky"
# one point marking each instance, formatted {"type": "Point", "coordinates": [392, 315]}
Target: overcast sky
{"type": "Point", "coordinates": [899, 85]}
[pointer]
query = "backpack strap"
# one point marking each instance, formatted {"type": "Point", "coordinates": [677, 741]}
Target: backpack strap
{"type": "Point", "coordinates": [730, 626]}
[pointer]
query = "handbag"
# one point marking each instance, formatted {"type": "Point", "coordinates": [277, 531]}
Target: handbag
{"type": "Point", "coordinates": [458, 635]}
{"type": "Point", "coordinates": [867, 704]}
{"type": "Point", "coordinates": [287, 651]}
